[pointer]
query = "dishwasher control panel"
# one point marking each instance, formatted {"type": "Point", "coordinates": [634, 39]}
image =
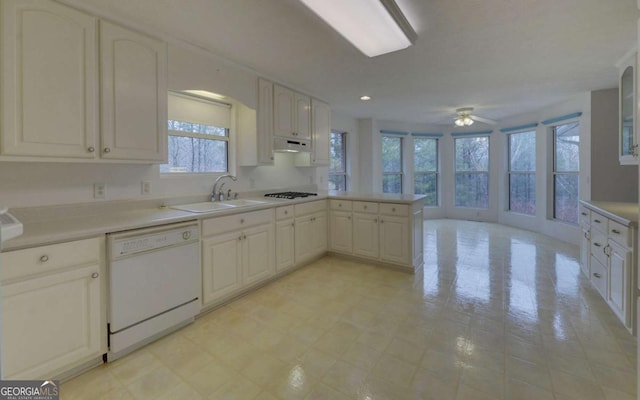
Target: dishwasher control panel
{"type": "Point", "coordinates": [142, 242]}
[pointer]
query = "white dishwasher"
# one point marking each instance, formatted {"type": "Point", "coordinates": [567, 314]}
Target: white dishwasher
{"type": "Point", "coordinates": [154, 284]}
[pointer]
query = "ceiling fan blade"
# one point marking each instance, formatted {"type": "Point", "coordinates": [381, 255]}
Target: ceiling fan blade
{"type": "Point", "coordinates": [484, 120]}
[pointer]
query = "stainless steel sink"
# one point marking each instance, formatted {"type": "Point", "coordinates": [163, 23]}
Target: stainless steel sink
{"type": "Point", "coordinates": [203, 207]}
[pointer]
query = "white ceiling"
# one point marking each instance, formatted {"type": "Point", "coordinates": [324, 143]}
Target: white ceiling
{"type": "Point", "coordinates": [503, 57]}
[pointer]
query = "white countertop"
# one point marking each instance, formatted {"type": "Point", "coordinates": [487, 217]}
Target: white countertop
{"type": "Point", "coordinates": [56, 224]}
{"type": "Point", "coordinates": [624, 213]}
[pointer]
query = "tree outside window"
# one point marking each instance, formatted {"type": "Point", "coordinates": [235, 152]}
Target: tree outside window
{"type": "Point", "coordinates": [472, 172]}
{"type": "Point", "coordinates": [522, 172]}
{"type": "Point", "coordinates": [425, 169]}
{"type": "Point", "coordinates": [566, 172]}
{"type": "Point", "coordinates": [338, 163]}
{"type": "Point", "coordinates": [391, 164]}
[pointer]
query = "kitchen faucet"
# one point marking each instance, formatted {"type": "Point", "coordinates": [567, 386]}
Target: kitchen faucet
{"type": "Point", "coordinates": [214, 194]}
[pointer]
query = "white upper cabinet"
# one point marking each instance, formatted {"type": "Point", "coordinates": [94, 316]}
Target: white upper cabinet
{"type": "Point", "coordinates": [320, 132]}
{"type": "Point", "coordinates": [291, 113]}
{"type": "Point", "coordinates": [49, 80]}
{"type": "Point", "coordinates": [55, 103]}
{"type": "Point", "coordinates": [134, 95]}
{"type": "Point", "coordinates": [627, 136]}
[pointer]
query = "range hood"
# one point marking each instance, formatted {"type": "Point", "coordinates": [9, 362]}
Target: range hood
{"type": "Point", "coordinates": [286, 145]}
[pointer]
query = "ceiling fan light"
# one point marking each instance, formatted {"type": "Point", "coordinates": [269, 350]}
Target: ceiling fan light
{"type": "Point", "coordinates": [467, 121]}
{"type": "Point", "coordinates": [458, 121]}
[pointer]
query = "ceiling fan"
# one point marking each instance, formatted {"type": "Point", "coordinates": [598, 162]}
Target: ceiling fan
{"type": "Point", "coordinates": [466, 117]}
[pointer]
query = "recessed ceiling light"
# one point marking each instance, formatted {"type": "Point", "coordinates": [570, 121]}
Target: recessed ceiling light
{"type": "Point", "coordinates": [365, 98]}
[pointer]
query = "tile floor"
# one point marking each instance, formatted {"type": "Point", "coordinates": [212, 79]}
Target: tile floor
{"type": "Point", "coordinates": [498, 313]}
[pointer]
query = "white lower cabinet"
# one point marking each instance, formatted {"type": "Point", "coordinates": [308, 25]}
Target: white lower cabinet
{"type": "Point", "coordinates": [607, 257]}
{"type": "Point", "coordinates": [619, 296]}
{"type": "Point", "coordinates": [394, 239]}
{"type": "Point", "coordinates": [365, 235]}
{"type": "Point", "coordinates": [52, 317]}
{"type": "Point", "coordinates": [341, 231]}
{"type": "Point", "coordinates": [310, 230]}
{"type": "Point", "coordinates": [238, 251]}
{"type": "Point", "coordinates": [285, 249]}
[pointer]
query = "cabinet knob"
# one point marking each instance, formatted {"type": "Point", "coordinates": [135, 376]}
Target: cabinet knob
{"type": "Point", "coordinates": [240, 238]}
{"type": "Point", "coordinates": [186, 235]}
{"type": "Point", "coordinates": [293, 224]}
{"type": "Point", "coordinates": [617, 232]}
{"type": "Point", "coordinates": [242, 220]}
{"type": "Point", "coordinates": [393, 209]}
{"type": "Point", "coordinates": [584, 213]}
{"type": "Point", "coordinates": [597, 244]}
{"type": "Point", "coordinates": [375, 220]}
{"type": "Point", "coordinates": [381, 221]}
{"type": "Point", "coordinates": [365, 207]}
{"type": "Point", "coordinates": [286, 212]}
{"type": "Point", "coordinates": [107, 150]}
{"type": "Point", "coordinates": [44, 258]}
{"type": "Point", "coordinates": [596, 221]}
{"type": "Point", "coordinates": [597, 275]}
{"type": "Point", "coordinates": [95, 275]}
{"type": "Point", "coordinates": [91, 149]}
{"type": "Point", "coordinates": [349, 217]}
{"type": "Point", "coordinates": [339, 204]}
{"type": "Point", "coordinates": [271, 158]}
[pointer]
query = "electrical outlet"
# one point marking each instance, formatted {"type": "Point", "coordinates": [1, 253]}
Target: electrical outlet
{"type": "Point", "coordinates": [99, 190]}
{"type": "Point", "coordinates": [145, 188]}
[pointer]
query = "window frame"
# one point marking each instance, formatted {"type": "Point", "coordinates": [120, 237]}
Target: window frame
{"type": "Point", "coordinates": [436, 173]}
{"type": "Point", "coordinates": [520, 172]}
{"type": "Point", "coordinates": [343, 173]}
{"type": "Point", "coordinates": [487, 172]}
{"type": "Point", "coordinates": [229, 168]}
{"type": "Point", "coordinates": [555, 173]}
{"type": "Point", "coordinates": [401, 163]}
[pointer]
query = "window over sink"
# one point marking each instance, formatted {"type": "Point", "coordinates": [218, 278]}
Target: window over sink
{"type": "Point", "coordinates": [198, 139]}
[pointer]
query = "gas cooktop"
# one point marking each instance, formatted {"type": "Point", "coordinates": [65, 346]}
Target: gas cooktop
{"type": "Point", "coordinates": [290, 195]}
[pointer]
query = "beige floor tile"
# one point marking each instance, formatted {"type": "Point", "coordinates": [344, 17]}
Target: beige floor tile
{"type": "Point", "coordinates": [575, 387]}
{"type": "Point", "coordinates": [292, 382]}
{"type": "Point", "coordinates": [613, 394]}
{"type": "Point", "coordinates": [315, 362]}
{"type": "Point", "coordinates": [405, 351]}
{"type": "Point", "coordinates": [517, 390]}
{"type": "Point", "coordinates": [529, 373]}
{"type": "Point", "coordinates": [155, 383]}
{"type": "Point", "coordinates": [209, 378]}
{"type": "Point", "coordinates": [394, 370]}
{"type": "Point", "coordinates": [236, 388]}
{"type": "Point", "coordinates": [262, 368]}
{"type": "Point", "coordinates": [362, 355]}
{"type": "Point", "coordinates": [620, 380]}
{"type": "Point", "coordinates": [484, 380]}
{"type": "Point", "coordinates": [428, 386]}
{"type": "Point", "coordinates": [324, 392]}
{"type": "Point", "coordinates": [89, 384]}
{"type": "Point", "coordinates": [134, 365]}
{"type": "Point", "coordinates": [345, 378]}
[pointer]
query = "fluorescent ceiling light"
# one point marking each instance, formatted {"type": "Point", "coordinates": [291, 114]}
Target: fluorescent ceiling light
{"type": "Point", "coordinates": [206, 94]}
{"type": "Point", "coordinates": [365, 98]}
{"type": "Point", "coordinates": [375, 27]}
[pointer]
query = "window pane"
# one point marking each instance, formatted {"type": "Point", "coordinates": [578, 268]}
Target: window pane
{"type": "Point", "coordinates": [427, 184]}
{"type": "Point", "coordinates": [187, 154]}
{"type": "Point", "coordinates": [337, 182]}
{"type": "Point", "coordinates": [425, 156]}
{"type": "Point", "coordinates": [472, 190]}
{"type": "Point", "coordinates": [391, 154]}
{"type": "Point", "coordinates": [392, 183]}
{"type": "Point", "coordinates": [567, 146]}
{"type": "Point", "coordinates": [522, 151]}
{"type": "Point", "coordinates": [337, 148]}
{"type": "Point", "coordinates": [190, 127]}
{"type": "Point", "coordinates": [472, 154]}
{"type": "Point", "coordinates": [565, 207]}
{"type": "Point", "coordinates": [522, 193]}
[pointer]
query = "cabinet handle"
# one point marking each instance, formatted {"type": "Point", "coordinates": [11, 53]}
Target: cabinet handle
{"type": "Point", "coordinates": [381, 221]}
{"type": "Point", "coordinates": [597, 221]}
{"type": "Point", "coordinates": [240, 238]}
{"type": "Point", "coordinates": [44, 258]}
{"type": "Point", "coordinates": [107, 150]}
{"type": "Point", "coordinates": [597, 275]}
{"type": "Point", "coordinates": [375, 220]}
{"type": "Point", "coordinates": [242, 220]}
{"type": "Point", "coordinates": [95, 275]}
{"type": "Point", "coordinates": [597, 244]}
{"type": "Point", "coordinates": [584, 213]}
{"type": "Point", "coordinates": [617, 232]}
{"type": "Point", "coordinates": [91, 149]}
{"type": "Point", "coordinates": [244, 237]}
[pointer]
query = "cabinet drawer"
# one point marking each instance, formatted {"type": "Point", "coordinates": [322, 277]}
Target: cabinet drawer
{"type": "Point", "coordinates": [365, 207]}
{"type": "Point", "coordinates": [620, 233]}
{"type": "Point", "coordinates": [311, 207]}
{"type": "Point", "coordinates": [599, 222]}
{"type": "Point", "coordinates": [599, 277]}
{"type": "Point", "coordinates": [343, 205]}
{"type": "Point", "coordinates": [598, 243]}
{"type": "Point", "coordinates": [284, 212]}
{"type": "Point", "coordinates": [394, 209]}
{"type": "Point", "coordinates": [218, 225]}
{"type": "Point", "coordinates": [585, 216]}
{"type": "Point", "coordinates": [44, 259]}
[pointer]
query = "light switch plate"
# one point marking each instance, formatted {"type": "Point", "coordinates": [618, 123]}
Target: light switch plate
{"type": "Point", "coordinates": [145, 188]}
{"type": "Point", "coordinates": [99, 190]}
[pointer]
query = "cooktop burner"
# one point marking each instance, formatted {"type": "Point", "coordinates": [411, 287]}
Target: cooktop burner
{"type": "Point", "coordinates": [290, 195]}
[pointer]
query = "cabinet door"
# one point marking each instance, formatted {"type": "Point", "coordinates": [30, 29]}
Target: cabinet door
{"type": "Point", "coordinates": [417, 237]}
{"type": "Point", "coordinates": [283, 111]}
{"type": "Point", "coordinates": [321, 132]}
{"type": "Point", "coordinates": [265, 122]}
{"type": "Point", "coordinates": [319, 234]}
{"type": "Point", "coordinates": [394, 239]}
{"type": "Point", "coordinates": [341, 228]}
{"type": "Point", "coordinates": [49, 86]}
{"type": "Point", "coordinates": [302, 123]}
{"type": "Point", "coordinates": [134, 95]}
{"type": "Point", "coordinates": [619, 292]}
{"type": "Point", "coordinates": [51, 323]}
{"type": "Point", "coordinates": [221, 266]}
{"type": "Point", "coordinates": [365, 235]}
{"type": "Point", "coordinates": [258, 254]}
{"type": "Point", "coordinates": [585, 252]}
{"type": "Point", "coordinates": [285, 240]}
{"type": "Point", "coordinates": [304, 238]}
